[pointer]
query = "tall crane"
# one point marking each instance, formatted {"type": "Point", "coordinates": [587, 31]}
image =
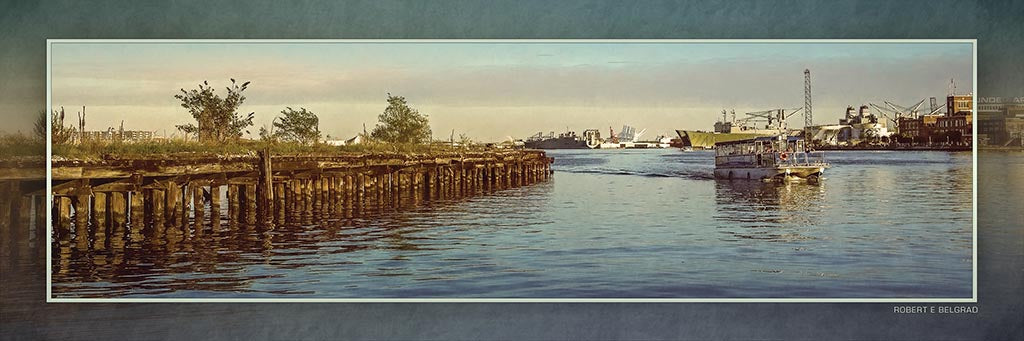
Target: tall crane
{"type": "Point", "coordinates": [808, 118]}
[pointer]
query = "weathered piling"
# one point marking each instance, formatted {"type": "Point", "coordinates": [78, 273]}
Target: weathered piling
{"type": "Point", "coordinates": [264, 194]}
{"type": "Point", "coordinates": [97, 203]}
{"type": "Point", "coordinates": [215, 207]}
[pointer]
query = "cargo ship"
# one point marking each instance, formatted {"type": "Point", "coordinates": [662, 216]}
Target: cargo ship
{"type": "Point", "coordinates": [566, 140]}
{"type": "Point", "coordinates": [732, 130]}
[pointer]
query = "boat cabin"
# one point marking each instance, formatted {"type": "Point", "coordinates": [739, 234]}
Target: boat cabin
{"type": "Point", "coordinates": [784, 155]}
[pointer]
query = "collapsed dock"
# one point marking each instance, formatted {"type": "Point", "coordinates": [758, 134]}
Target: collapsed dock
{"type": "Point", "coordinates": [117, 196]}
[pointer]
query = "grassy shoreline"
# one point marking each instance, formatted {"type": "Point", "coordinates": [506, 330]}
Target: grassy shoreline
{"type": "Point", "coordinates": [21, 146]}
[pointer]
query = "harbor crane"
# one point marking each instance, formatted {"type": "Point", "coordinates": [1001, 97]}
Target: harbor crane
{"type": "Point", "coordinates": [895, 112]}
{"type": "Point", "coordinates": [776, 118]}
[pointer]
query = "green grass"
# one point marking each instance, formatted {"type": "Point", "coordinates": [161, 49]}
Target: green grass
{"type": "Point", "coordinates": [163, 149]}
{"type": "Point", "coordinates": [16, 145]}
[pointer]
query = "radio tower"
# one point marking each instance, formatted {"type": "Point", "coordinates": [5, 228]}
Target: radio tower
{"type": "Point", "coordinates": [808, 119]}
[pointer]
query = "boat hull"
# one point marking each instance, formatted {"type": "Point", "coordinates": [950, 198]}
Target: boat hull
{"type": "Point", "coordinates": [557, 143]}
{"type": "Point", "coordinates": [777, 173]}
{"type": "Point", "coordinates": [707, 140]}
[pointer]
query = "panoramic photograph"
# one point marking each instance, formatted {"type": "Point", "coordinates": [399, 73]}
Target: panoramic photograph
{"type": "Point", "coordinates": [510, 169]}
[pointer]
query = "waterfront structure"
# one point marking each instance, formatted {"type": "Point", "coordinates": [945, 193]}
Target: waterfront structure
{"type": "Point", "coordinates": [112, 135]}
{"type": "Point", "coordinates": [94, 201]}
{"type": "Point", "coordinates": [954, 127]}
{"type": "Point", "coordinates": [999, 121]}
{"type": "Point", "coordinates": [856, 127]}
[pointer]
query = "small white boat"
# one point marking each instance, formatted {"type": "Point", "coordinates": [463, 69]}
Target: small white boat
{"type": "Point", "coordinates": [768, 158]}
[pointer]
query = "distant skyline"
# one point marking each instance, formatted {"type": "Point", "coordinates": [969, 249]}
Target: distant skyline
{"type": "Point", "coordinates": [492, 90]}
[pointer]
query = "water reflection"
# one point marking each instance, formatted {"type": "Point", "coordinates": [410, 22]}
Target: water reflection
{"type": "Point", "coordinates": [155, 259]}
{"type": "Point", "coordinates": [772, 211]}
{"type": "Point", "coordinates": [649, 224]}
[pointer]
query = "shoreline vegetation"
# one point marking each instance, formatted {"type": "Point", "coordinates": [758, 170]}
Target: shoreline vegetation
{"type": "Point", "coordinates": [218, 129]}
{"type": "Point", "coordinates": [20, 145]}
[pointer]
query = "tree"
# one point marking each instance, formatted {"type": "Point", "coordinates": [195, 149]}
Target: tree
{"type": "Point", "coordinates": [216, 117]}
{"type": "Point", "coordinates": [400, 123]}
{"type": "Point", "coordinates": [300, 126]}
{"type": "Point", "coordinates": [40, 126]}
{"type": "Point", "coordinates": [61, 133]}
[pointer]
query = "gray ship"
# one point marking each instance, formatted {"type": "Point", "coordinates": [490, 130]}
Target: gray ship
{"type": "Point", "coordinates": [566, 140]}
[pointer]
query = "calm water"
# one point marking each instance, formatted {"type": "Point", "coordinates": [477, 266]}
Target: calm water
{"type": "Point", "coordinates": [637, 223]}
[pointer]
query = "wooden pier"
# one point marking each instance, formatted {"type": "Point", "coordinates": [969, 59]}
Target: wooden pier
{"type": "Point", "coordinates": [124, 197]}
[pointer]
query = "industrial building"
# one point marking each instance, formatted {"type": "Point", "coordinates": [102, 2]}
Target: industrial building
{"type": "Point", "coordinates": [954, 127]}
{"type": "Point", "coordinates": [856, 127]}
{"type": "Point", "coordinates": [1000, 122]}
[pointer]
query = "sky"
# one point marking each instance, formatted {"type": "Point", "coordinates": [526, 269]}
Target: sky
{"type": "Point", "coordinates": [494, 90]}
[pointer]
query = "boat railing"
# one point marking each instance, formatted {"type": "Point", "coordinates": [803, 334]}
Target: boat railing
{"type": "Point", "coordinates": [771, 159]}
{"type": "Point", "coordinates": [800, 158]}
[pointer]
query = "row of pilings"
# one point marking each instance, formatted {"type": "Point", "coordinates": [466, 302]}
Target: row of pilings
{"type": "Point", "coordinates": [95, 201]}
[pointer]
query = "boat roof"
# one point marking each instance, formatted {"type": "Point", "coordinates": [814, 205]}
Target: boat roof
{"type": "Point", "coordinates": [759, 139]}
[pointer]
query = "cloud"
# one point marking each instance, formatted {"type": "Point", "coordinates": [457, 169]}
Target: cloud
{"type": "Point", "coordinates": [493, 100]}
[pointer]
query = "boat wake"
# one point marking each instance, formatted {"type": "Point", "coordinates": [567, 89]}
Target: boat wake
{"type": "Point", "coordinates": [695, 175]}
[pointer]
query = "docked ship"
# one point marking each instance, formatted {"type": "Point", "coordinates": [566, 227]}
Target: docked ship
{"type": "Point", "coordinates": [566, 140]}
{"type": "Point", "coordinates": [776, 158]}
{"type": "Point", "coordinates": [728, 130]}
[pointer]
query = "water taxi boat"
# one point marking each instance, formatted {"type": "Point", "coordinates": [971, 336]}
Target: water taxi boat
{"type": "Point", "coordinates": [768, 158]}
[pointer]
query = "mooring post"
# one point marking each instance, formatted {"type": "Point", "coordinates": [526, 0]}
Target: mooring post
{"type": "Point", "coordinates": [325, 197]}
{"type": "Point", "coordinates": [156, 207]}
{"type": "Point", "coordinates": [186, 196]}
{"type": "Point", "coordinates": [169, 203]}
{"type": "Point", "coordinates": [307, 200]}
{"type": "Point", "coordinates": [378, 188]}
{"type": "Point", "coordinates": [264, 188]}
{"type": "Point", "coordinates": [118, 211]}
{"type": "Point", "coordinates": [81, 216]}
{"type": "Point", "coordinates": [449, 181]}
{"type": "Point", "coordinates": [529, 172]}
{"type": "Point", "coordinates": [198, 206]}
{"type": "Point", "coordinates": [173, 209]}
{"type": "Point", "coordinates": [119, 216]}
{"type": "Point", "coordinates": [317, 192]}
{"type": "Point", "coordinates": [234, 211]}
{"type": "Point", "coordinates": [357, 183]}
{"type": "Point", "coordinates": [99, 212]}
{"type": "Point", "coordinates": [250, 204]}
{"type": "Point", "coordinates": [338, 189]}
{"type": "Point", "coordinates": [347, 191]}
{"type": "Point", "coordinates": [291, 201]}
{"type": "Point", "coordinates": [214, 207]}
{"type": "Point", "coordinates": [478, 179]}
{"type": "Point", "coordinates": [460, 180]}
{"type": "Point", "coordinates": [61, 215]}
{"type": "Point", "coordinates": [343, 193]}
{"type": "Point", "coordinates": [442, 183]}
{"type": "Point", "coordinates": [136, 210]}
{"type": "Point", "coordinates": [279, 203]}
{"type": "Point", "coordinates": [429, 182]}
{"type": "Point", "coordinates": [137, 215]}
{"type": "Point", "coordinates": [329, 191]}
